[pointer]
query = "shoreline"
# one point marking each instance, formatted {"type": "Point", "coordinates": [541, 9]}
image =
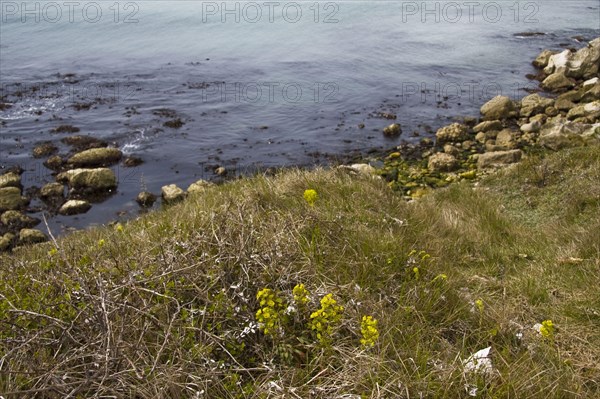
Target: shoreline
{"type": "Point", "coordinates": [501, 137]}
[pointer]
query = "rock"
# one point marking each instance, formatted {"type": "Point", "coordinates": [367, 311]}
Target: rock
{"type": "Point", "coordinates": [74, 207]}
{"type": "Point", "coordinates": [561, 134]}
{"type": "Point", "coordinates": [452, 133]}
{"type": "Point", "coordinates": [54, 163]}
{"type": "Point", "coordinates": [591, 93]}
{"type": "Point", "coordinates": [220, 171]}
{"type": "Point", "coordinates": [551, 111]}
{"type": "Point", "coordinates": [82, 143]}
{"type": "Point", "coordinates": [586, 110]}
{"type": "Point", "coordinates": [31, 236]}
{"type": "Point", "coordinates": [558, 62]}
{"type": "Point", "coordinates": [534, 104]}
{"type": "Point", "coordinates": [6, 240]}
{"type": "Point", "coordinates": [359, 169]}
{"type": "Point", "coordinates": [563, 104]}
{"type": "Point", "coordinates": [591, 82]}
{"type": "Point", "coordinates": [44, 150]}
{"type": "Point", "coordinates": [585, 62]}
{"type": "Point", "coordinates": [531, 127]}
{"type": "Point", "coordinates": [442, 162]}
{"type": "Point", "coordinates": [452, 150]}
{"type": "Point", "coordinates": [198, 186]}
{"type": "Point", "coordinates": [498, 158]}
{"type": "Point", "coordinates": [10, 199]}
{"type": "Point", "coordinates": [96, 157]}
{"type": "Point", "coordinates": [145, 199]}
{"type": "Point", "coordinates": [540, 118]}
{"type": "Point", "coordinates": [392, 130]}
{"type": "Point", "coordinates": [172, 194]}
{"type": "Point", "coordinates": [91, 179]}
{"type": "Point", "coordinates": [52, 190]}
{"type": "Point", "coordinates": [486, 126]}
{"type": "Point", "coordinates": [131, 162]}
{"type": "Point", "coordinates": [506, 139]}
{"type": "Point", "coordinates": [480, 137]}
{"type": "Point", "coordinates": [499, 107]}
{"type": "Point", "coordinates": [557, 82]}
{"type": "Point", "coordinates": [16, 220]}
{"type": "Point", "coordinates": [10, 179]}
{"type": "Point", "coordinates": [542, 60]}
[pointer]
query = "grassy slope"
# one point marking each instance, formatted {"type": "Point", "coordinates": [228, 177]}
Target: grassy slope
{"type": "Point", "coordinates": [158, 308]}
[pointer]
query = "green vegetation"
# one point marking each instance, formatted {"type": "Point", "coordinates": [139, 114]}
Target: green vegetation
{"type": "Point", "coordinates": [255, 289]}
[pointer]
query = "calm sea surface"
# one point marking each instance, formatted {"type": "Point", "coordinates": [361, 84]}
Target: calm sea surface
{"type": "Point", "coordinates": [257, 84]}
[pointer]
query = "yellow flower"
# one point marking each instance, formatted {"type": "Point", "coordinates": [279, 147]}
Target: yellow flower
{"type": "Point", "coordinates": [369, 331]}
{"type": "Point", "coordinates": [547, 329]}
{"type": "Point", "coordinates": [52, 252]}
{"type": "Point", "coordinates": [310, 196]}
{"type": "Point", "coordinates": [416, 272]}
{"type": "Point", "coordinates": [479, 305]}
{"type": "Point", "coordinates": [101, 243]}
{"type": "Point", "coordinates": [300, 294]}
{"type": "Point", "coordinates": [119, 227]}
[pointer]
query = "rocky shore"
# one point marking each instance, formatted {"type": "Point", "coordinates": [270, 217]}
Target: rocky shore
{"type": "Point", "coordinates": [565, 113]}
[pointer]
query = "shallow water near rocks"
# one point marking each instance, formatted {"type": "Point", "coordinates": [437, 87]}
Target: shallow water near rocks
{"type": "Point", "coordinates": [187, 87]}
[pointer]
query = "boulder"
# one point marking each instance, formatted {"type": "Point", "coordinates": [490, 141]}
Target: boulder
{"type": "Point", "coordinates": [359, 169]}
{"type": "Point", "coordinates": [558, 62]}
{"type": "Point", "coordinates": [498, 158]}
{"type": "Point", "coordinates": [534, 104]}
{"type": "Point", "coordinates": [486, 126]}
{"type": "Point", "coordinates": [531, 127]}
{"type": "Point", "coordinates": [90, 179]}
{"type": "Point", "coordinates": [16, 220]}
{"type": "Point", "coordinates": [591, 93]}
{"type": "Point", "coordinates": [506, 139]}
{"type": "Point", "coordinates": [6, 240]}
{"type": "Point", "coordinates": [10, 179]}
{"type": "Point", "coordinates": [31, 236]}
{"type": "Point", "coordinates": [74, 207]}
{"type": "Point", "coordinates": [562, 104]}
{"type": "Point", "coordinates": [172, 194]}
{"type": "Point", "coordinates": [585, 62]}
{"type": "Point", "coordinates": [542, 60]}
{"type": "Point", "coordinates": [591, 110]}
{"type": "Point", "coordinates": [452, 150]}
{"type": "Point", "coordinates": [561, 134]}
{"type": "Point", "coordinates": [11, 199]}
{"type": "Point", "coordinates": [557, 82]}
{"type": "Point", "coordinates": [55, 162]}
{"type": "Point", "coordinates": [452, 133]}
{"type": "Point", "coordinates": [442, 162]}
{"type": "Point", "coordinates": [199, 186]}
{"type": "Point", "coordinates": [145, 199]}
{"type": "Point", "coordinates": [591, 82]}
{"type": "Point", "coordinates": [52, 190]}
{"type": "Point", "coordinates": [221, 171]}
{"type": "Point", "coordinates": [499, 107]}
{"type": "Point", "coordinates": [44, 150]}
{"type": "Point", "coordinates": [392, 130]}
{"type": "Point", "coordinates": [96, 157]}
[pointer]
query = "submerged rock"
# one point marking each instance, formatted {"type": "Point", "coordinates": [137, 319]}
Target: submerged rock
{"type": "Point", "coordinates": [93, 179]}
{"type": "Point", "coordinates": [392, 130]}
{"type": "Point", "coordinates": [16, 220]}
{"type": "Point", "coordinates": [52, 190]}
{"type": "Point", "coordinates": [44, 150]}
{"type": "Point", "coordinates": [31, 236]}
{"type": "Point", "coordinates": [11, 199]}
{"type": "Point", "coordinates": [10, 179]}
{"type": "Point", "coordinates": [145, 199]}
{"type": "Point", "coordinates": [96, 157]}
{"type": "Point", "coordinates": [73, 207]}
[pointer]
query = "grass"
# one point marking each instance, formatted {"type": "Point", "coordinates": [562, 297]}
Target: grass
{"type": "Point", "coordinates": [165, 306]}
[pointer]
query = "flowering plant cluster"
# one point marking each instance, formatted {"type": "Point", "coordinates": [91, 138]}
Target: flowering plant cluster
{"type": "Point", "coordinates": [326, 318]}
{"type": "Point", "coordinates": [271, 311]}
{"type": "Point", "coordinates": [369, 331]}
